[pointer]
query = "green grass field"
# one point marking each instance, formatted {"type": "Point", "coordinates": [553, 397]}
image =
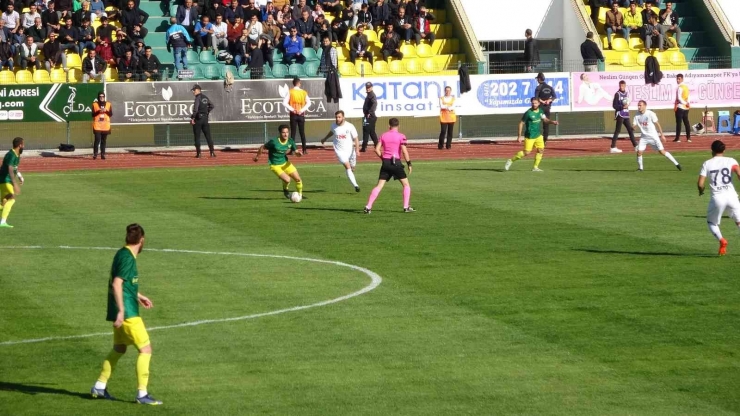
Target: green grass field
{"type": "Point", "coordinates": [589, 289]}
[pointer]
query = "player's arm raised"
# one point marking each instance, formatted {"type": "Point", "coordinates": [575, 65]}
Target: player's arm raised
{"type": "Point", "coordinates": [118, 296]}
{"type": "Point", "coordinates": [259, 153]}
{"type": "Point", "coordinates": [406, 156]}
{"type": "Point", "coordinates": [519, 134]}
{"type": "Point", "coordinates": [331, 133]}
{"type": "Point", "coordinates": [700, 184]}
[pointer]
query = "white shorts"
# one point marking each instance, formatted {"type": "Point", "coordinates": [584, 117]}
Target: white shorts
{"type": "Point", "coordinates": [719, 204]}
{"type": "Point", "coordinates": [345, 156]}
{"type": "Point", "coordinates": [652, 142]}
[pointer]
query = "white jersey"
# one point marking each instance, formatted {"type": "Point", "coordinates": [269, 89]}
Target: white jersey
{"type": "Point", "coordinates": [647, 121]}
{"type": "Point", "coordinates": [718, 171]}
{"type": "Point", "coordinates": [344, 137]}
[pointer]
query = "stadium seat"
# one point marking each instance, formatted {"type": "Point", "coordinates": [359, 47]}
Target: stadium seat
{"type": "Point", "coordinates": [229, 68]}
{"type": "Point", "coordinates": [620, 44]}
{"type": "Point", "coordinates": [277, 56]}
{"type": "Point", "coordinates": [372, 36]}
{"type": "Point", "coordinates": [192, 57]}
{"type": "Point", "coordinates": [430, 66]}
{"type": "Point", "coordinates": [381, 68]}
{"type": "Point", "coordinates": [73, 60]}
{"type": "Point", "coordinates": [198, 71]}
{"type": "Point", "coordinates": [676, 58]}
{"type": "Point", "coordinates": [310, 54]}
{"type": "Point", "coordinates": [279, 71]}
{"type": "Point", "coordinates": [424, 51]}
{"type": "Point", "coordinates": [244, 72]}
{"type": "Point", "coordinates": [24, 76]}
{"type": "Point", "coordinates": [74, 75]}
{"type": "Point", "coordinates": [342, 54]}
{"type": "Point", "coordinates": [637, 44]}
{"type": "Point", "coordinates": [662, 58]}
{"type": "Point", "coordinates": [627, 60]}
{"type": "Point", "coordinates": [347, 69]}
{"type": "Point", "coordinates": [111, 74]}
{"type": "Point", "coordinates": [211, 71]}
{"type": "Point", "coordinates": [41, 77]}
{"type": "Point", "coordinates": [363, 68]}
{"type": "Point", "coordinates": [208, 58]}
{"type": "Point", "coordinates": [58, 75]}
{"type": "Point", "coordinates": [641, 58]}
{"type": "Point", "coordinates": [173, 10]}
{"type": "Point", "coordinates": [296, 70]}
{"type": "Point", "coordinates": [414, 66]}
{"type": "Point", "coordinates": [408, 50]}
{"type": "Point", "coordinates": [312, 69]}
{"type": "Point", "coordinates": [7, 77]}
{"type": "Point", "coordinates": [267, 71]}
{"type": "Point", "coordinates": [397, 67]}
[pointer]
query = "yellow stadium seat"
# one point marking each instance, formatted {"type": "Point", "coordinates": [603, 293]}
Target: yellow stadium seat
{"type": "Point", "coordinates": [424, 51]}
{"type": "Point", "coordinates": [620, 44]}
{"type": "Point", "coordinates": [74, 75]}
{"type": "Point", "coordinates": [111, 9]}
{"type": "Point", "coordinates": [363, 68]}
{"type": "Point", "coordinates": [676, 58]}
{"type": "Point", "coordinates": [25, 10]}
{"type": "Point", "coordinates": [430, 66]}
{"type": "Point", "coordinates": [95, 25]}
{"type": "Point", "coordinates": [24, 76]}
{"type": "Point", "coordinates": [372, 36]}
{"type": "Point", "coordinates": [662, 58]}
{"type": "Point", "coordinates": [641, 58]}
{"type": "Point", "coordinates": [445, 46]}
{"type": "Point", "coordinates": [637, 44]}
{"type": "Point", "coordinates": [627, 60]}
{"type": "Point", "coordinates": [408, 51]}
{"type": "Point", "coordinates": [397, 67]}
{"type": "Point", "coordinates": [111, 74]}
{"type": "Point", "coordinates": [73, 60]}
{"type": "Point", "coordinates": [381, 68]}
{"type": "Point", "coordinates": [41, 77]}
{"type": "Point", "coordinates": [342, 54]}
{"type": "Point", "coordinates": [347, 69]}
{"type": "Point", "coordinates": [7, 77]}
{"type": "Point", "coordinates": [58, 75]}
{"type": "Point", "coordinates": [414, 66]}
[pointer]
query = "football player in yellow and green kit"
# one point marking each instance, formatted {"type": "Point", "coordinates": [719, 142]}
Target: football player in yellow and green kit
{"type": "Point", "coordinates": [123, 310]}
{"type": "Point", "coordinates": [277, 155]}
{"type": "Point", "coordinates": [10, 181]}
{"type": "Point", "coordinates": [532, 120]}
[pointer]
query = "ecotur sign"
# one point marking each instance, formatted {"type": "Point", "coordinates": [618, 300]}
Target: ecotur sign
{"type": "Point", "coordinates": [419, 96]}
{"type": "Point", "coordinates": [47, 102]}
{"type": "Point", "coordinates": [244, 101]}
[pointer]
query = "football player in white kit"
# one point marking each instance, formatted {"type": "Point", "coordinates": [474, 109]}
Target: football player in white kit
{"type": "Point", "coordinates": [647, 120]}
{"type": "Point", "coordinates": [346, 145]}
{"type": "Point", "coordinates": [719, 171]}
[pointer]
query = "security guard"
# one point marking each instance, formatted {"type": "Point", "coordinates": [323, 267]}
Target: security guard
{"type": "Point", "coordinates": [369, 119]}
{"type": "Point", "coordinates": [101, 113]}
{"type": "Point", "coordinates": [199, 119]}
{"type": "Point", "coordinates": [546, 95]}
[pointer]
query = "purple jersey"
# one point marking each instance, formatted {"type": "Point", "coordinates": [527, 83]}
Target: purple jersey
{"type": "Point", "coordinates": [392, 141]}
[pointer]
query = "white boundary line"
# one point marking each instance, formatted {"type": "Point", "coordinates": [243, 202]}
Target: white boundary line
{"type": "Point", "coordinates": [375, 281]}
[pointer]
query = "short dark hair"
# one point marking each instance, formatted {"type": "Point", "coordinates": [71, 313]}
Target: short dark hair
{"type": "Point", "coordinates": [296, 81]}
{"type": "Point", "coordinates": [679, 76]}
{"type": "Point", "coordinates": [590, 35]}
{"type": "Point", "coordinates": [528, 32]}
{"type": "Point", "coordinates": [339, 112]}
{"type": "Point", "coordinates": [642, 101]}
{"type": "Point", "coordinates": [718, 146]}
{"type": "Point", "coordinates": [147, 48]}
{"type": "Point", "coordinates": [533, 99]}
{"type": "Point", "coordinates": [622, 82]}
{"type": "Point", "coordinates": [394, 122]}
{"type": "Point", "coordinates": [17, 142]}
{"type": "Point", "coordinates": [134, 234]}
{"type": "Point", "coordinates": [283, 127]}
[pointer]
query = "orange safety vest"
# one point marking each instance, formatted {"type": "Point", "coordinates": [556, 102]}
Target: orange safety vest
{"type": "Point", "coordinates": [682, 92]}
{"type": "Point", "coordinates": [101, 122]}
{"type": "Point", "coordinates": [447, 116]}
{"type": "Point", "coordinates": [297, 99]}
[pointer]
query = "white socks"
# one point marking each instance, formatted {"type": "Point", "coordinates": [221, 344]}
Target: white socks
{"type": "Point", "coordinates": [639, 162]}
{"type": "Point", "coordinates": [141, 394]}
{"type": "Point", "coordinates": [99, 385]}
{"type": "Point", "coordinates": [351, 176]}
{"type": "Point", "coordinates": [714, 229]}
{"type": "Point", "coordinates": [671, 158]}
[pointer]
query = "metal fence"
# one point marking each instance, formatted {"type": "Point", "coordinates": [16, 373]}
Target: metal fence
{"type": "Point", "coordinates": [556, 65]}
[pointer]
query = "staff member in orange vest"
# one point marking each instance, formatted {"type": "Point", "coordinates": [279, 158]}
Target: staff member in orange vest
{"type": "Point", "coordinates": [682, 109]}
{"type": "Point", "coordinates": [101, 112]}
{"type": "Point", "coordinates": [447, 118]}
{"type": "Point", "coordinates": [297, 102]}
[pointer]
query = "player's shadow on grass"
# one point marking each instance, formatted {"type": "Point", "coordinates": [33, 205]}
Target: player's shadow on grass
{"type": "Point", "coordinates": [238, 198]}
{"type": "Point", "coordinates": [40, 389]}
{"type": "Point", "coordinates": [347, 210]}
{"type": "Point", "coordinates": [594, 170]}
{"type": "Point", "coordinates": [481, 169]}
{"type": "Point", "coordinates": [313, 191]}
{"type": "Point", "coordinates": [641, 253]}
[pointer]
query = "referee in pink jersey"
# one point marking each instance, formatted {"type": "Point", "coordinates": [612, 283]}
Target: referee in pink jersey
{"type": "Point", "coordinates": [391, 146]}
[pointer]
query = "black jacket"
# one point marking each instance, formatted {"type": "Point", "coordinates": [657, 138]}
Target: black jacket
{"type": "Point", "coordinates": [100, 65]}
{"type": "Point", "coordinates": [464, 80]}
{"type": "Point", "coordinates": [332, 88]}
{"type": "Point", "coordinates": [202, 107]}
{"type": "Point", "coordinates": [151, 64]}
{"type": "Point", "coordinates": [120, 48]}
{"type": "Point", "coordinates": [39, 35]}
{"type": "Point", "coordinates": [545, 92]}
{"type": "Point", "coordinates": [125, 67]}
{"type": "Point", "coordinates": [591, 53]}
{"type": "Point", "coordinates": [370, 105]}
{"type": "Point", "coordinates": [130, 17]}
{"type": "Point", "coordinates": [256, 58]}
{"type": "Point", "coordinates": [653, 75]}
{"type": "Point", "coordinates": [531, 52]}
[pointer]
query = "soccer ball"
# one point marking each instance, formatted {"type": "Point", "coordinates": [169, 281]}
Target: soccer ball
{"type": "Point", "coordinates": [296, 197]}
{"type": "Point", "coordinates": [626, 102]}
{"type": "Point", "coordinates": [20, 177]}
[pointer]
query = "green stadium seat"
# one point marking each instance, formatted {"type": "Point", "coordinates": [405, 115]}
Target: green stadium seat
{"type": "Point", "coordinates": [279, 71]}
{"type": "Point", "coordinates": [229, 68]}
{"type": "Point", "coordinates": [208, 58]}
{"type": "Point", "coordinates": [267, 71]}
{"type": "Point", "coordinates": [312, 69]}
{"type": "Point", "coordinates": [197, 72]}
{"type": "Point", "coordinates": [296, 70]}
{"type": "Point", "coordinates": [173, 10]}
{"type": "Point", "coordinates": [277, 56]}
{"type": "Point", "coordinates": [193, 58]}
{"type": "Point", "coordinates": [244, 72]}
{"type": "Point", "coordinates": [310, 54]}
{"type": "Point", "coordinates": [211, 71]}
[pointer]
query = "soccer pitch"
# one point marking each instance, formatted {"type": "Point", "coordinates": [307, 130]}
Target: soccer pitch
{"type": "Point", "coordinates": [586, 289]}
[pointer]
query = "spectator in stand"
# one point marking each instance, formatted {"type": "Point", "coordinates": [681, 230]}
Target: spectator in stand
{"type": "Point", "coordinates": [81, 14]}
{"type": "Point", "coordinates": [317, 11]}
{"type": "Point", "coordinates": [394, 6]}
{"type": "Point", "coordinates": [305, 26]}
{"type": "Point", "coordinates": [632, 21]}
{"type": "Point", "coordinates": [364, 17]}
{"type": "Point", "coordinates": [93, 67]}
{"type": "Point", "coordinates": [283, 15]}
{"type": "Point", "coordinates": [138, 49]}
{"type": "Point", "coordinates": [422, 27]}
{"type": "Point", "coordinates": [105, 30]}
{"type": "Point", "coordinates": [293, 46]}
{"type": "Point", "coordinates": [40, 5]}
{"type": "Point", "coordinates": [256, 60]}
{"type": "Point", "coordinates": [614, 23]}
{"type": "Point", "coordinates": [217, 9]}
{"type": "Point", "coordinates": [389, 28]}
{"type": "Point", "coordinates": [132, 15]}
{"type": "Point", "coordinates": [358, 45]}
{"type": "Point", "coordinates": [219, 39]}
{"type": "Point", "coordinates": [64, 8]}
{"type": "Point", "coordinates": [299, 9]}
{"type": "Point", "coordinates": [332, 6]}
{"type": "Point", "coordinates": [339, 31]}
{"type": "Point", "coordinates": [531, 52]}
{"type": "Point", "coordinates": [13, 23]}
{"type": "Point", "coordinates": [6, 36]}
{"type": "Point", "coordinates": [288, 23]}
{"type": "Point", "coordinates": [86, 37]}
{"type": "Point", "coordinates": [267, 11]}
{"type": "Point", "coordinates": [591, 54]}
{"type": "Point", "coordinates": [29, 18]}
{"type": "Point", "coordinates": [53, 53]}
{"type": "Point", "coordinates": [38, 32]}
{"type": "Point", "coordinates": [348, 17]}
{"type": "Point", "coordinates": [381, 14]}
{"type": "Point", "coordinates": [595, 5]}
{"type": "Point", "coordinates": [241, 49]}
{"type": "Point", "coordinates": [120, 46]}
{"type": "Point", "coordinates": [653, 34]}
{"type": "Point", "coordinates": [271, 37]}
{"type": "Point", "coordinates": [68, 36]}
{"type": "Point", "coordinates": [138, 33]}
{"type": "Point", "coordinates": [255, 29]}
{"type": "Point", "coordinates": [413, 7]}
{"type": "Point", "coordinates": [403, 26]}
{"type": "Point", "coordinates": [233, 12]}
{"type": "Point", "coordinates": [357, 4]}
{"type": "Point", "coordinates": [50, 18]}
{"type": "Point", "coordinates": [187, 16]}
{"type": "Point", "coordinates": [105, 51]}
{"type": "Point", "coordinates": [96, 5]}
{"type": "Point", "coordinates": [323, 31]}
{"type": "Point", "coordinates": [178, 41]}
{"type": "Point", "coordinates": [668, 21]}
{"type": "Point", "coordinates": [6, 55]}
{"type": "Point", "coordinates": [233, 32]}
{"type": "Point", "coordinates": [97, 15]}
{"type": "Point", "coordinates": [150, 65]}
{"type": "Point", "coordinates": [202, 35]}
{"type": "Point", "coordinates": [128, 67]}
{"type": "Point", "coordinates": [646, 12]}
{"type": "Point", "coordinates": [250, 10]}
{"type": "Point", "coordinates": [329, 57]}
{"type": "Point", "coordinates": [391, 45]}
{"type": "Point", "coordinates": [28, 54]}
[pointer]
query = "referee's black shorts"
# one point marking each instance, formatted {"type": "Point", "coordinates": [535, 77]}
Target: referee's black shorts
{"type": "Point", "coordinates": [389, 170]}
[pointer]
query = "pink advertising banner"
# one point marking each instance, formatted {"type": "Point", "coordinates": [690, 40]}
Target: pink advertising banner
{"type": "Point", "coordinates": [594, 91]}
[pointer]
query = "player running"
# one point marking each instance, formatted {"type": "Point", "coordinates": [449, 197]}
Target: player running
{"type": "Point", "coordinates": [719, 170]}
{"type": "Point", "coordinates": [277, 156]}
{"type": "Point", "coordinates": [123, 310]}
{"type": "Point", "coordinates": [346, 145]}
{"type": "Point", "coordinates": [647, 120]}
{"type": "Point", "coordinates": [390, 147]}
{"type": "Point", "coordinates": [10, 180]}
{"type": "Point", "coordinates": [532, 120]}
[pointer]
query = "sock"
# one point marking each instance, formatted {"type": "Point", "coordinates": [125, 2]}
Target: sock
{"type": "Point", "coordinates": [142, 371]}
{"type": "Point", "coordinates": [714, 229]}
{"type": "Point", "coordinates": [373, 196]}
{"type": "Point", "coordinates": [108, 365]}
{"type": "Point", "coordinates": [639, 162]}
{"type": "Point", "coordinates": [406, 196]}
{"type": "Point", "coordinates": [6, 208]}
{"type": "Point", "coordinates": [299, 187]}
{"type": "Point", "coordinates": [286, 185]}
{"type": "Point", "coordinates": [537, 160]}
{"type": "Point", "coordinates": [517, 156]}
{"type": "Point", "coordinates": [351, 176]}
{"type": "Point", "coordinates": [141, 393]}
{"type": "Point", "coordinates": [671, 158]}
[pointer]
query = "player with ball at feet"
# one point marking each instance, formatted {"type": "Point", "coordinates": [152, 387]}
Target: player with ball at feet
{"type": "Point", "coordinates": [277, 155]}
{"type": "Point", "coordinates": [719, 170]}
